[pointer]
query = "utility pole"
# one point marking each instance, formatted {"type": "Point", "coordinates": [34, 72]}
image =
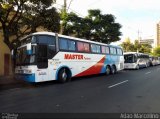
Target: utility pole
{"type": "Point", "coordinates": [63, 17]}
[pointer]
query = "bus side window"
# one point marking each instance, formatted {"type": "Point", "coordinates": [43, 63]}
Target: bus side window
{"type": "Point", "coordinates": [96, 48]}
{"type": "Point", "coordinates": [111, 50]}
{"type": "Point", "coordinates": [67, 44]}
{"type": "Point", "coordinates": [103, 49]}
{"type": "Point", "coordinates": [107, 50]}
{"type": "Point", "coordinates": [119, 51]}
{"type": "Point", "coordinates": [63, 44]}
{"type": "Point", "coordinates": [83, 47]}
{"type": "Point", "coordinates": [71, 45]}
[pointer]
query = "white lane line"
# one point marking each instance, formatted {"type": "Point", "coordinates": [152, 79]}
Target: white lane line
{"type": "Point", "coordinates": [118, 84]}
{"type": "Point", "coordinates": [148, 72]}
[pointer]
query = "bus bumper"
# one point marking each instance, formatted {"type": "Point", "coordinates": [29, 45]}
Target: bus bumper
{"type": "Point", "coordinates": [26, 77]}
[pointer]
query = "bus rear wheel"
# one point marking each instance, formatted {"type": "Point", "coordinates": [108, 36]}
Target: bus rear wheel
{"type": "Point", "coordinates": [114, 70]}
{"type": "Point", "coordinates": [137, 67]}
{"type": "Point", "coordinates": [108, 70]}
{"type": "Point", "coordinates": [63, 75]}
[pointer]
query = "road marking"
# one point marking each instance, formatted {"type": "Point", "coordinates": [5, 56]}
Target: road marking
{"type": "Point", "coordinates": [148, 72]}
{"type": "Point", "coordinates": [118, 84]}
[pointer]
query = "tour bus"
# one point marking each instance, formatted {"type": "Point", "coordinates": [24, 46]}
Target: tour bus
{"type": "Point", "coordinates": [154, 60]}
{"type": "Point", "coordinates": [46, 56]}
{"type": "Point", "coordinates": [158, 60]}
{"type": "Point", "coordinates": [135, 60]}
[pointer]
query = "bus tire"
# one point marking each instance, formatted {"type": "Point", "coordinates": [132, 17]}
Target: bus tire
{"type": "Point", "coordinates": [137, 67]}
{"type": "Point", "coordinates": [114, 70]}
{"type": "Point", "coordinates": [63, 75]}
{"type": "Point", "coordinates": [108, 70]}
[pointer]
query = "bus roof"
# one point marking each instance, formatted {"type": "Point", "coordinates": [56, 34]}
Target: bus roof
{"type": "Point", "coordinates": [69, 37]}
{"type": "Point", "coordinates": [134, 53]}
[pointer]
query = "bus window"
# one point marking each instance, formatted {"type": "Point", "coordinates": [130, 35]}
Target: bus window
{"type": "Point", "coordinates": [66, 44]}
{"type": "Point", "coordinates": [86, 47]}
{"type": "Point", "coordinates": [103, 49]}
{"type": "Point", "coordinates": [107, 50]}
{"type": "Point", "coordinates": [72, 45]}
{"type": "Point", "coordinates": [46, 39]}
{"type": "Point", "coordinates": [95, 48]}
{"type": "Point", "coordinates": [83, 47]}
{"type": "Point", "coordinates": [115, 51]}
{"type": "Point", "coordinates": [119, 52]}
{"type": "Point", "coordinates": [111, 50]}
{"type": "Point", "coordinates": [63, 44]}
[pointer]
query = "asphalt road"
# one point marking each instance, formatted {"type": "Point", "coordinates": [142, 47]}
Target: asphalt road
{"type": "Point", "coordinates": [129, 91]}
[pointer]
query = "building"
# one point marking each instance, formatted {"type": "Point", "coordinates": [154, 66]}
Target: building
{"type": "Point", "coordinates": [5, 58]}
{"type": "Point", "coordinates": [158, 34]}
{"type": "Point", "coordinates": [147, 41]}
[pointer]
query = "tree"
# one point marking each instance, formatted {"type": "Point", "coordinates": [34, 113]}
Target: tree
{"type": "Point", "coordinates": [128, 46]}
{"type": "Point", "coordinates": [20, 17]}
{"type": "Point", "coordinates": [145, 48]}
{"type": "Point", "coordinates": [156, 51]}
{"type": "Point", "coordinates": [95, 26]}
{"type": "Point", "coordinates": [136, 47]}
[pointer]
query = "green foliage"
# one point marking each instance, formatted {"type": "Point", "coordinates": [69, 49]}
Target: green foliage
{"type": "Point", "coordinates": [136, 46]}
{"type": "Point", "coordinates": [95, 26]}
{"type": "Point", "coordinates": [26, 18]}
{"type": "Point", "coordinates": [156, 51]}
{"type": "Point", "coordinates": [128, 46]}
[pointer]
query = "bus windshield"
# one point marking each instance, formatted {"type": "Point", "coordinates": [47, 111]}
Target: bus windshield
{"type": "Point", "coordinates": [129, 58]}
{"type": "Point", "coordinates": [22, 58]}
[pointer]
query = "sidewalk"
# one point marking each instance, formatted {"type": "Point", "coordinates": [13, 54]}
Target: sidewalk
{"type": "Point", "coordinates": [7, 82]}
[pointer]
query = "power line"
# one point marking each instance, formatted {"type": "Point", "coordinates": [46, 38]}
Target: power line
{"type": "Point", "coordinates": [69, 4]}
{"type": "Point", "coordinates": [69, 9]}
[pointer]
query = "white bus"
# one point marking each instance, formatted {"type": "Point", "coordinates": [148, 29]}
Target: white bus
{"type": "Point", "coordinates": [134, 60]}
{"type": "Point", "coordinates": [154, 60]}
{"type": "Point", "coordinates": [46, 56]}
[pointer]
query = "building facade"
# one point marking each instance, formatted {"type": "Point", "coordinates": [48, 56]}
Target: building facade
{"type": "Point", "coordinates": [158, 35]}
{"type": "Point", "coordinates": [5, 58]}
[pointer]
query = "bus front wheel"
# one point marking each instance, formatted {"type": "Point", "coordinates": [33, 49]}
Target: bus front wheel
{"type": "Point", "coordinates": [63, 75]}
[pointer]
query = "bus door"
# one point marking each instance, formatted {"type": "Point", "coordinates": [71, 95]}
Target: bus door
{"type": "Point", "coordinates": [42, 62]}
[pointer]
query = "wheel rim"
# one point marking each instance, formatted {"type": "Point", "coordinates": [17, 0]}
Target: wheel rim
{"type": "Point", "coordinates": [107, 71]}
{"type": "Point", "coordinates": [64, 75]}
{"type": "Point", "coordinates": [113, 70]}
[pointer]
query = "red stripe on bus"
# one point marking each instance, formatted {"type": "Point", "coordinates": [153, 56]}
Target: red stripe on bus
{"type": "Point", "coordinates": [95, 69]}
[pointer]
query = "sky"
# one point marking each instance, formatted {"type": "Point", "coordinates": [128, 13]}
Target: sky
{"type": "Point", "coordinates": [135, 16]}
